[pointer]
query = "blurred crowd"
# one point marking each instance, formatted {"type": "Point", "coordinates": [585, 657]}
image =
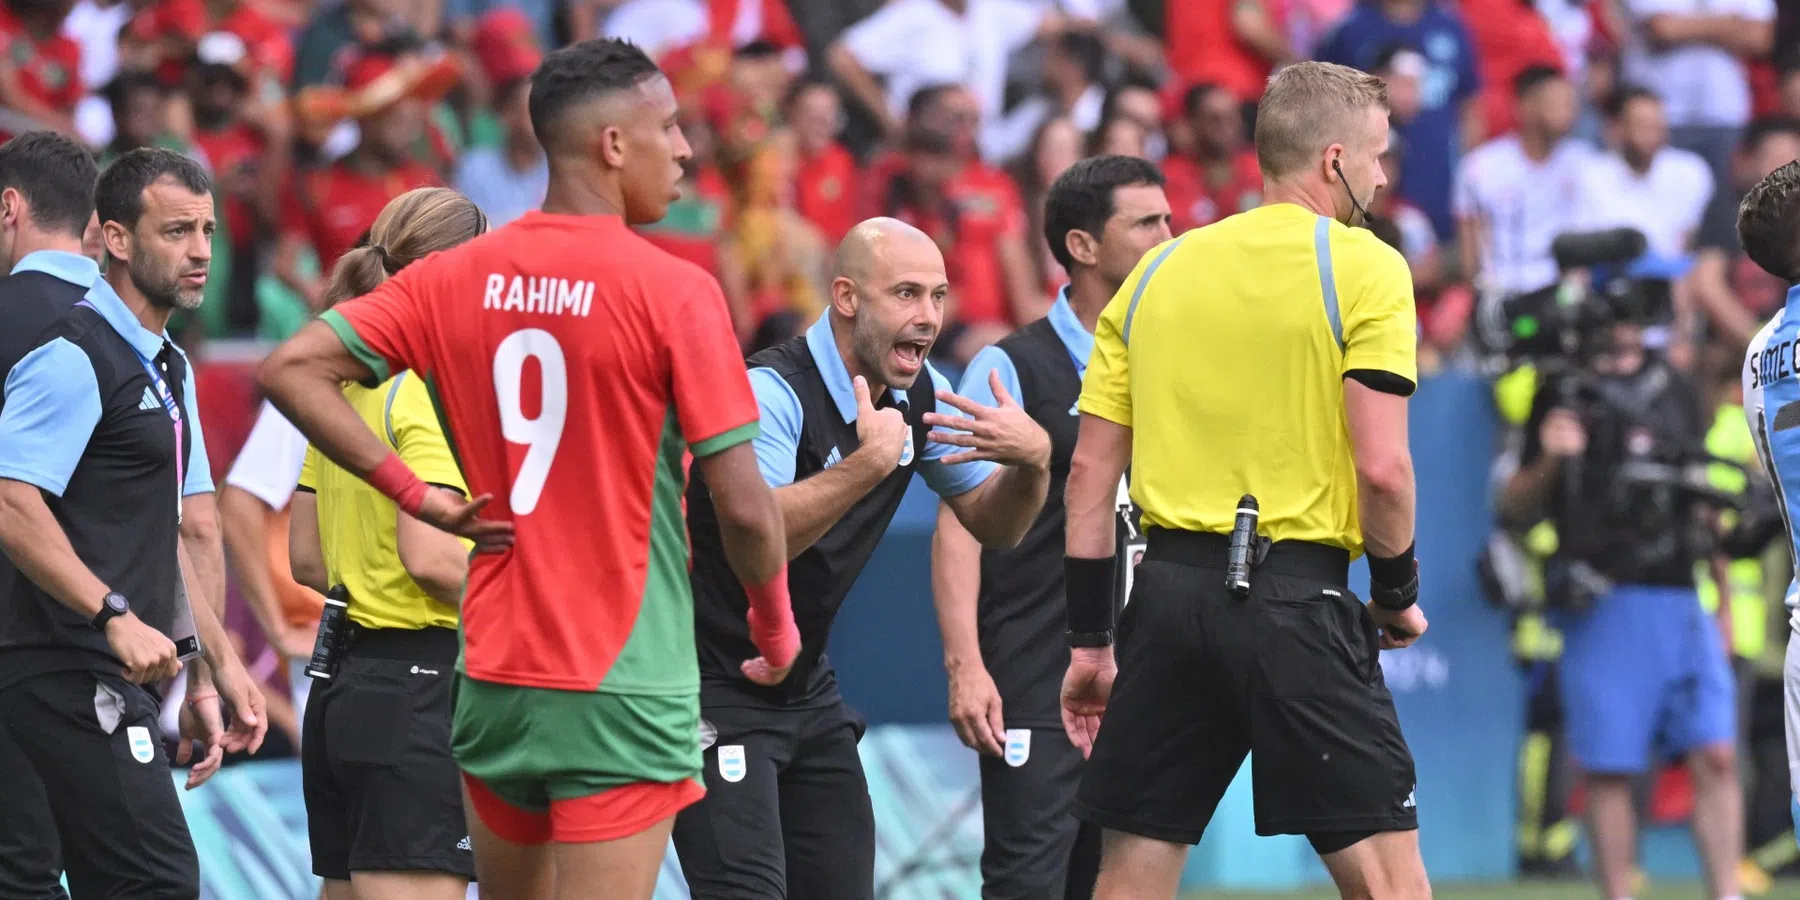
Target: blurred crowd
{"type": "Point", "coordinates": [1513, 120]}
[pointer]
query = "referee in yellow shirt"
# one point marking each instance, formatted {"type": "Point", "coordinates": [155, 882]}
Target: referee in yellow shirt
{"type": "Point", "coordinates": [1269, 354]}
{"type": "Point", "coordinates": [383, 796]}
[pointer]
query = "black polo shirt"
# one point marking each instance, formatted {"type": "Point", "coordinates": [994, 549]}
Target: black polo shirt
{"type": "Point", "coordinates": [87, 422]}
{"type": "Point", "coordinates": [1021, 612]}
{"type": "Point", "coordinates": [808, 424]}
{"type": "Point", "coordinates": [40, 290]}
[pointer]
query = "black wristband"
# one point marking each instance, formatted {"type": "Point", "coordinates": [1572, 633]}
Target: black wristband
{"type": "Point", "coordinates": [1088, 585]}
{"type": "Point", "coordinates": [1393, 571]}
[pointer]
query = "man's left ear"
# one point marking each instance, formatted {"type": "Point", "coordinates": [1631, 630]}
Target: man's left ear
{"type": "Point", "coordinates": [116, 238]}
{"type": "Point", "coordinates": [1083, 247]}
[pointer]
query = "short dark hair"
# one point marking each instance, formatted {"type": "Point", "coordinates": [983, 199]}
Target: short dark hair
{"type": "Point", "coordinates": [926, 97]}
{"type": "Point", "coordinates": [118, 91]}
{"type": "Point", "coordinates": [120, 195]}
{"type": "Point", "coordinates": [1082, 198]}
{"type": "Point", "coordinates": [1196, 95]}
{"type": "Point", "coordinates": [1768, 223]}
{"type": "Point", "coordinates": [1086, 50]}
{"type": "Point", "coordinates": [55, 175]}
{"type": "Point", "coordinates": [1620, 100]}
{"type": "Point", "coordinates": [577, 74]}
{"type": "Point", "coordinates": [1532, 77]}
{"type": "Point", "coordinates": [1764, 128]}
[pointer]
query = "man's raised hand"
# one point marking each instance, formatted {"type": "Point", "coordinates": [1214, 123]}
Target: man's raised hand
{"type": "Point", "coordinates": [1003, 433]}
{"type": "Point", "coordinates": [881, 433]}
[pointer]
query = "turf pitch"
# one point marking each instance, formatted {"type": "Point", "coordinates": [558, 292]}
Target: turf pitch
{"type": "Point", "coordinates": [1539, 890]}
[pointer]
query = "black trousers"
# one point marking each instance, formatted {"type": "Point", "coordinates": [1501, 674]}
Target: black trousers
{"type": "Point", "coordinates": [88, 790]}
{"type": "Point", "coordinates": [1035, 848]}
{"type": "Point", "coordinates": [787, 814]}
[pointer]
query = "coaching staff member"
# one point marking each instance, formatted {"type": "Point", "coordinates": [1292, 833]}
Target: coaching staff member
{"type": "Point", "coordinates": [787, 812]}
{"type": "Point", "coordinates": [1307, 333]}
{"type": "Point", "coordinates": [1001, 611]}
{"type": "Point", "coordinates": [96, 438]}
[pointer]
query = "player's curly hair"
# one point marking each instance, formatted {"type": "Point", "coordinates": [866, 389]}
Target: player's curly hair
{"type": "Point", "coordinates": [1769, 223]}
{"type": "Point", "coordinates": [412, 226]}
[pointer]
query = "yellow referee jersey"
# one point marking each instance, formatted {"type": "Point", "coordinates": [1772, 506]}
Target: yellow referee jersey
{"type": "Point", "coordinates": [358, 526]}
{"type": "Point", "coordinates": [1225, 352]}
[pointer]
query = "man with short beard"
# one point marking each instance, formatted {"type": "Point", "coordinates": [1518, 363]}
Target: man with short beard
{"type": "Point", "coordinates": [97, 442]}
{"type": "Point", "coordinates": [844, 425]}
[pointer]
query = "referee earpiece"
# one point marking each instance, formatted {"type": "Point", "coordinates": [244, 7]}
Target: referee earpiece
{"type": "Point", "coordinates": [1355, 206]}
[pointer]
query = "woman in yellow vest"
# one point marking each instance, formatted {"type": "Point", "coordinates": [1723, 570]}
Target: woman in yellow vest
{"type": "Point", "coordinates": [383, 797]}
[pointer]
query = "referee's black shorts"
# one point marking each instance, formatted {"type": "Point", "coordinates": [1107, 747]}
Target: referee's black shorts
{"type": "Point", "coordinates": [1290, 675]}
{"type": "Point", "coordinates": [382, 791]}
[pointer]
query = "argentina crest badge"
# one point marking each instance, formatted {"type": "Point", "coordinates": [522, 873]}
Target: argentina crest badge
{"type": "Point", "coordinates": [142, 749]}
{"type": "Point", "coordinates": [732, 767]}
{"type": "Point", "coordinates": [906, 452]}
{"type": "Point", "coordinates": [1018, 746]}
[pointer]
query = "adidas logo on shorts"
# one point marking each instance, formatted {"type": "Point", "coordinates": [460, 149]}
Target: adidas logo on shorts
{"type": "Point", "coordinates": [149, 401]}
{"type": "Point", "coordinates": [463, 844]}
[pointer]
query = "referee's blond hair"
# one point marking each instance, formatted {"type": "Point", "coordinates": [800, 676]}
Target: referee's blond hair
{"type": "Point", "coordinates": [1307, 107]}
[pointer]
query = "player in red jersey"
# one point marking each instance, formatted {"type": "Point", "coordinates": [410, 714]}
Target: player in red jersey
{"type": "Point", "coordinates": [575, 364]}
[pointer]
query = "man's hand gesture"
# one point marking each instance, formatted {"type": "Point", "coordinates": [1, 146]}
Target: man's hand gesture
{"type": "Point", "coordinates": [148, 654]}
{"type": "Point", "coordinates": [1086, 688]}
{"type": "Point", "coordinates": [448, 511]}
{"type": "Point", "coordinates": [1003, 433]}
{"type": "Point", "coordinates": [880, 433]}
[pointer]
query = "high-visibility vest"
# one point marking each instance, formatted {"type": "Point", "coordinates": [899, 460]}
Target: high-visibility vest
{"type": "Point", "coordinates": [1729, 439]}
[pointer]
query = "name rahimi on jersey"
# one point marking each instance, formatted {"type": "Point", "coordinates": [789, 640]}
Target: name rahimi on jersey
{"type": "Point", "coordinates": [532, 294]}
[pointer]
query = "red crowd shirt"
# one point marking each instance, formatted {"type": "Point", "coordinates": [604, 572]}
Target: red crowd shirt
{"type": "Point", "coordinates": [574, 365]}
{"type": "Point", "coordinates": [49, 70]}
{"type": "Point", "coordinates": [826, 192]}
{"type": "Point", "coordinates": [233, 150]}
{"type": "Point", "coordinates": [1193, 203]}
{"type": "Point", "coordinates": [982, 205]}
{"type": "Point", "coordinates": [332, 207]}
{"type": "Point", "coordinates": [1203, 47]}
{"type": "Point", "coordinates": [265, 40]}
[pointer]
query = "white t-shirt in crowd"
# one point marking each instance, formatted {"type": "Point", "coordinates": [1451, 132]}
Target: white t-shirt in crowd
{"type": "Point", "coordinates": [1522, 205]}
{"type": "Point", "coordinates": [1699, 84]}
{"type": "Point", "coordinates": [1666, 202]}
{"type": "Point", "coordinates": [268, 467]}
{"type": "Point", "coordinates": [970, 49]}
{"type": "Point", "coordinates": [658, 26]}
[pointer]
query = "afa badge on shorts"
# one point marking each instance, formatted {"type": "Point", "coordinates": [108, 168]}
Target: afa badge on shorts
{"type": "Point", "coordinates": [1018, 746]}
{"type": "Point", "coordinates": [906, 452]}
{"type": "Point", "coordinates": [142, 749]}
{"type": "Point", "coordinates": [732, 767]}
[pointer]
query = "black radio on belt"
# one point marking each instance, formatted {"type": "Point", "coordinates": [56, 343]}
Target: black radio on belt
{"type": "Point", "coordinates": [1247, 548]}
{"type": "Point", "coordinates": [334, 635]}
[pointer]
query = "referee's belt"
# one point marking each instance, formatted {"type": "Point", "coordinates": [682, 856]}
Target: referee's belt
{"type": "Point", "coordinates": [433, 645]}
{"type": "Point", "coordinates": [1202, 549]}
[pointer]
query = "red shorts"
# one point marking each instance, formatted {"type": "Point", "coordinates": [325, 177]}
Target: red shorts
{"type": "Point", "coordinates": [606, 816]}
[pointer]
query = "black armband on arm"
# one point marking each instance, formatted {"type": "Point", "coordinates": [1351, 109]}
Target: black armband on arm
{"type": "Point", "coordinates": [1394, 580]}
{"type": "Point", "coordinates": [1088, 585]}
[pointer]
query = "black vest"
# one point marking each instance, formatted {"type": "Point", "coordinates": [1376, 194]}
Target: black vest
{"type": "Point", "coordinates": [1021, 614]}
{"type": "Point", "coordinates": [119, 510]}
{"type": "Point", "coordinates": [820, 577]}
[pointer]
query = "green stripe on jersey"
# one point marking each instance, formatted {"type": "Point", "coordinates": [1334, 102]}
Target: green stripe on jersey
{"type": "Point", "coordinates": [354, 343]}
{"type": "Point", "coordinates": [727, 440]}
{"type": "Point", "coordinates": [658, 659]}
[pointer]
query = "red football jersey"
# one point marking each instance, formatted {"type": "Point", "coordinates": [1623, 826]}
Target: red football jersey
{"type": "Point", "coordinates": [333, 207]}
{"type": "Point", "coordinates": [574, 365]}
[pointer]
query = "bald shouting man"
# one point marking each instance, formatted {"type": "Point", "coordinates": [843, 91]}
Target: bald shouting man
{"type": "Point", "coordinates": [787, 813]}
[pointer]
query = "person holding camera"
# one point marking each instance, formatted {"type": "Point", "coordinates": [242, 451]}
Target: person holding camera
{"type": "Point", "coordinates": [1645, 674]}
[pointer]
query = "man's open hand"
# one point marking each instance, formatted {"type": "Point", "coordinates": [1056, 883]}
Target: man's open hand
{"type": "Point", "coordinates": [1003, 433]}
{"type": "Point", "coordinates": [1086, 688]}
{"type": "Point", "coordinates": [448, 511]}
